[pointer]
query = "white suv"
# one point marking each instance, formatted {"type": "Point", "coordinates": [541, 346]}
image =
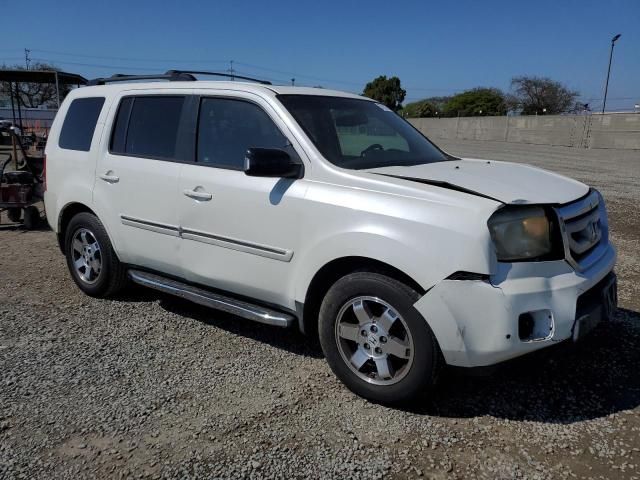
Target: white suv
{"type": "Point", "coordinates": [327, 211]}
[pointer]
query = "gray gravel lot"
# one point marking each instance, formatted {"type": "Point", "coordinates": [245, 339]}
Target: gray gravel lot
{"type": "Point", "coordinates": [148, 385]}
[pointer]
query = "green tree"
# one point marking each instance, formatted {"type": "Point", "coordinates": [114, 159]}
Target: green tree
{"type": "Point", "coordinates": [33, 95]}
{"type": "Point", "coordinates": [437, 103]}
{"type": "Point", "coordinates": [387, 91]}
{"type": "Point", "coordinates": [478, 101]}
{"type": "Point", "coordinates": [419, 109]}
{"type": "Point", "coordinates": [540, 95]}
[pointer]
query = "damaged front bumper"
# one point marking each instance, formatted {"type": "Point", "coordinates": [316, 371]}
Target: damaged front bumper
{"type": "Point", "coordinates": [524, 307]}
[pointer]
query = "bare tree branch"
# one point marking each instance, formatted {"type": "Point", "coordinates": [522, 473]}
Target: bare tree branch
{"type": "Point", "coordinates": [34, 95]}
{"type": "Point", "coordinates": [539, 95]}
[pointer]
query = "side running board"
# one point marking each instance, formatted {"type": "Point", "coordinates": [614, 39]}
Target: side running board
{"type": "Point", "coordinates": [204, 297]}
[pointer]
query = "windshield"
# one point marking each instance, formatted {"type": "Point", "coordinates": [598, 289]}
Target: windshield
{"type": "Point", "coordinates": [360, 134]}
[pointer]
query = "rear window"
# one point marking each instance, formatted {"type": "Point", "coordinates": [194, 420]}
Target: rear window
{"type": "Point", "coordinates": [80, 123]}
{"type": "Point", "coordinates": [147, 126]}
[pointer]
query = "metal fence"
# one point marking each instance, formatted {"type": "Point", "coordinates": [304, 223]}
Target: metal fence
{"type": "Point", "coordinates": [37, 120]}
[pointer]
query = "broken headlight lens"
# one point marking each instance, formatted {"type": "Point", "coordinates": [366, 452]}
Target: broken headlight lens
{"type": "Point", "coordinates": [520, 233]}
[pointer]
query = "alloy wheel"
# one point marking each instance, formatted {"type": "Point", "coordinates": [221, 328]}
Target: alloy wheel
{"type": "Point", "coordinates": [87, 256]}
{"type": "Point", "coordinates": [374, 340]}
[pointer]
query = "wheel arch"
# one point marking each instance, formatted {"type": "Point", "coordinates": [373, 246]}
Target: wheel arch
{"type": "Point", "coordinates": [66, 214]}
{"type": "Point", "coordinates": [335, 269]}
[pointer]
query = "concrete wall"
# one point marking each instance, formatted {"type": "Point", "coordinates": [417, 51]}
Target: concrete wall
{"type": "Point", "coordinates": [616, 130]}
{"type": "Point", "coordinates": [621, 130]}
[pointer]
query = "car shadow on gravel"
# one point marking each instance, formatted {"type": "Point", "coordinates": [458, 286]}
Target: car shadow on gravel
{"type": "Point", "coordinates": [18, 227]}
{"type": "Point", "coordinates": [563, 384]}
{"type": "Point", "coordinates": [8, 225]}
{"type": "Point", "coordinates": [290, 339]}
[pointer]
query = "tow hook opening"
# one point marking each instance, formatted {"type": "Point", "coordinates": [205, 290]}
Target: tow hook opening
{"type": "Point", "coordinates": [535, 326]}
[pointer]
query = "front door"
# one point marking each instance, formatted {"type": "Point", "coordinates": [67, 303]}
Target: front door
{"type": "Point", "coordinates": [240, 233]}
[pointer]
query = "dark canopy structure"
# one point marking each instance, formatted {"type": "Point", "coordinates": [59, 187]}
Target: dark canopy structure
{"type": "Point", "coordinates": [37, 76]}
{"type": "Point", "coordinates": [42, 76]}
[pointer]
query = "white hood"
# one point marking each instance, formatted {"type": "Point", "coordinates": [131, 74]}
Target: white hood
{"type": "Point", "coordinates": [503, 181]}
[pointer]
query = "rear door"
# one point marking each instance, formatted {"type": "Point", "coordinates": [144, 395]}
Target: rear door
{"type": "Point", "coordinates": [137, 178]}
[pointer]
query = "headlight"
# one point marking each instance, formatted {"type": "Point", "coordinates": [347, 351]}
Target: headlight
{"type": "Point", "coordinates": [521, 233]}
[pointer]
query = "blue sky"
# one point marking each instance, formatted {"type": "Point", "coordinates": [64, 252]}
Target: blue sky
{"type": "Point", "coordinates": [435, 48]}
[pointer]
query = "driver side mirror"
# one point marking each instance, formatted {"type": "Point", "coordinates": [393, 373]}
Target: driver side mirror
{"type": "Point", "coordinates": [272, 162]}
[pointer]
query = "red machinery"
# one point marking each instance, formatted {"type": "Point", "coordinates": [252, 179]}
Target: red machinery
{"type": "Point", "coordinates": [22, 187]}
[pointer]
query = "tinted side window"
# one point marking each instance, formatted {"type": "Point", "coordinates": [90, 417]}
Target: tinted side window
{"type": "Point", "coordinates": [152, 126]}
{"type": "Point", "coordinates": [228, 128]}
{"type": "Point", "coordinates": [119, 135]}
{"type": "Point", "coordinates": [80, 123]}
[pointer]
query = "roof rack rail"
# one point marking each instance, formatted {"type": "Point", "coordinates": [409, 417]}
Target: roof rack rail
{"type": "Point", "coordinates": [171, 75]}
{"type": "Point", "coordinates": [217, 74]}
{"type": "Point", "coordinates": [119, 77]}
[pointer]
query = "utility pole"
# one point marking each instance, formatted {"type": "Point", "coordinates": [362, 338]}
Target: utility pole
{"type": "Point", "coordinates": [606, 86]}
{"type": "Point", "coordinates": [27, 58]}
{"type": "Point", "coordinates": [231, 70]}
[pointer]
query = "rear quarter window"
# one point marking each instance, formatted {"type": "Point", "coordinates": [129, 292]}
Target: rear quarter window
{"type": "Point", "coordinates": [80, 123]}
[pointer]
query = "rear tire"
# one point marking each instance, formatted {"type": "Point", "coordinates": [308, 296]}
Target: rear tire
{"type": "Point", "coordinates": [93, 263]}
{"type": "Point", "coordinates": [375, 341]}
{"type": "Point", "coordinates": [14, 214]}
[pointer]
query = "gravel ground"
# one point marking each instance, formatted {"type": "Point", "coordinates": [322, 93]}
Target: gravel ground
{"type": "Point", "coordinates": [147, 385]}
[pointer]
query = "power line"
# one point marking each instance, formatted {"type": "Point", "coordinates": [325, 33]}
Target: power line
{"type": "Point", "coordinates": [298, 74]}
{"type": "Point", "coordinates": [250, 65]}
{"type": "Point", "coordinates": [360, 84]}
{"type": "Point", "coordinates": [231, 70]}
{"type": "Point", "coordinates": [128, 59]}
{"type": "Point", "coordinates": [181, 61]}
{"type": "Point", "coordinates": [154, 69]}
{"type": "Point", "coordinates": [94, 65]}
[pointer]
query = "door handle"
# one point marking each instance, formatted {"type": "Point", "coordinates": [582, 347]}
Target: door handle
{"type": "Point", "coordinates": [202, 196]}
{"type": "Point", "coordinates": [110, 178]}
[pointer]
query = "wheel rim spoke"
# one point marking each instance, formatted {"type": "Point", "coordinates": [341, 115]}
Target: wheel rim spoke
{"type": "Point", "coordinates": [77, 245]}
{"type": "Point", "coordinates": [80, 263]}
{"type": "Point", "coordinates": [384, 367]}
{"type": "Point", "coordinates": [362, 312]}
{"type": "Point", "coordinates": [397, 348]}
{"type": "Point", "coordinates": [349, 331]}
{"type": "Point", "coordinates": [95, 266]}
{"type": "Point", "coordinates": [387, 319]}
{"type": "Point", "coordinates": [359, 358]}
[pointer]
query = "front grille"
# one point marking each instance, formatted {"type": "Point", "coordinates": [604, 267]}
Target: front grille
{"type": "Point", "coordinates": [584, 232]}
{"type": "Point", "coordinates": [584, 229]}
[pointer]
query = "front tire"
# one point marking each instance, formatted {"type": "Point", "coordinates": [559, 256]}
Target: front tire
{"type": "Point", "coordinates": [375, 341]}
{"type": "Point", "coordinates": [91, 259]}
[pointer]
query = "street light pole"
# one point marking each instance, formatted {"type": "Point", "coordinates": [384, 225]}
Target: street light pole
{"type": "Point", "coordinates": [606, 86]}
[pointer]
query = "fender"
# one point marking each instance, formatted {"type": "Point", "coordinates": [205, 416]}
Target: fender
{"type": "Point", "coordinates": [376, 246]}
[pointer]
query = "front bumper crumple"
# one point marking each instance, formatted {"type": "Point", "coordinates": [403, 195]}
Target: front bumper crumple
{"type": "Point", "coordinates": [476, 322]}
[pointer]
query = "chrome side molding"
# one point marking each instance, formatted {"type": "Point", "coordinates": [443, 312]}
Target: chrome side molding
{"type": "Point", "coordinates": [275, 253]}
{"type": "Point", "coordinates": [217, 301]}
